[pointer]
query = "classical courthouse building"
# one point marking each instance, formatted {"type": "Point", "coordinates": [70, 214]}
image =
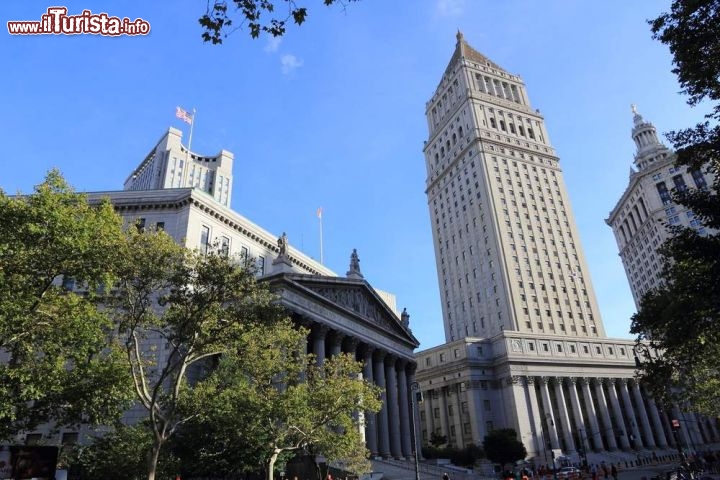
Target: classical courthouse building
{"type": "Point", "coordinates": [645, 208]}
{"type": "Point", "coordinates": [189, 196]}
{"type": "Point", "coordinates": [526, 347]}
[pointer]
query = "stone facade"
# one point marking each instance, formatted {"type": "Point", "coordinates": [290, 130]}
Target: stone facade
{"type": "Point", "coordinates": [526, 347]}
{"type": "Point", "coordinates": [341, 314]}
{"type": "Point", "coordinates": [507, 250]}
{"type": "Point", "coordinates": [645, 209]}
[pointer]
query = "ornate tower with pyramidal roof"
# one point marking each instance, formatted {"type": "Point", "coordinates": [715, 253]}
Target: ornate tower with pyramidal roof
{"type": "Point", "coordinates": [507, 249]}
{"type": "Point", "coordinates": [525, 346]}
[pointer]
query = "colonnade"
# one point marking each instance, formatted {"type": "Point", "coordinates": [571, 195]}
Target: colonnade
{"type": "Point", "coordinates": [568, 414]}
{"type": "Point", "coordinates": [388, 433]}
{"type": "Point", "coordinates": [601, 414]}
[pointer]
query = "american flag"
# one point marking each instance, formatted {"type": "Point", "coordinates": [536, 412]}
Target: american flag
{"type": "Point", "coordinates": [319, 213]}
{"type": "Point", "coordinates": [183, 115]}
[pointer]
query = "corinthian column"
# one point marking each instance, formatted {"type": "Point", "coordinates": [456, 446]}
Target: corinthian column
{"type": "Point", "coordinates": [404, 404]}
{"type": "Point", "coordinates": [564, 416]}
{"type": "Point", "coordinates": [591, 415]}
{"type": "Point", "coordinates": [549, 420]}
{"type": "Point", "coordinates": [657, 423]}
{"type": "Point", "coordinates": [577, 413]}
{"type": "Point", "coordinates": [605, 415]}
{"type": "Point", "coordinates": [370, 418]}
{"type": "Point", "coordinates": [393, 407]}
{"type": "Point", "coordinates": [623, 434]}
{"type": "Point", "coordinates": [382, 416]}
{"type": "Point", "coordinates": [319, 332]}
{"type": "Point", "coordinates": [637, 442]}
{"type": "Point", "coordinates": [644, 422]}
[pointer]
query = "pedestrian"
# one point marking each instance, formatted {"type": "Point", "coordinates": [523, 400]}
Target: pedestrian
{"type": "Point", "coordinates": [614, 471]}
{"type": "Point", "coordinates": [594, 472]}
{"type": "Point", "coordinates": [446, 476]}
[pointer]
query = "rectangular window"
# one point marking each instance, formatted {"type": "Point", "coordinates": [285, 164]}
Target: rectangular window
{"type": "Point", "coordinates": [663, 192]}
{"type": "Point", "coordinates": [436, 412]}
{"type": "Point", "coordinates": [679, 182]}
{"type": "Point", "coordinates": [204, 238]}
{"type": "Point", "coordinates": [140, 224]}
{"type": "Point", "coordinates": [225, 246]}
{"type": "Point", "coordinates": [160, 226]}
{"type": "Point", "coordinates": [486, 405]}
{"type": "Point", "coordinates": [699, 179]}
{"type": "Point", "coordinates": [261, 265]}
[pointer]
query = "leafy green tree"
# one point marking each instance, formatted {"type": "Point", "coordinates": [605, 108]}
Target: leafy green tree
{"type": "Point", "coordinates": [177, 311]}
{"type": "Point", "coordinates": [270, 401]}
{"type": "Point", "coordinates": [502, 446]}
{"type": "Point", "coordinates": [679, 319]}
{"type": "Point", "coordinates": [59, 362]}
{"type": "Point", "coordinates": [269, 16]}
{"type": "Point", "coordinates": [122, 455]}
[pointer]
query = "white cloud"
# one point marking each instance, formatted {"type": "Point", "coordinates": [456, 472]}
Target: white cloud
{"type": "Point", "coordinates": [450, 8]}
{"type": "Point", "coordinates": [273, 44]}
{"type": "Point", "coordinates": [289, 63]}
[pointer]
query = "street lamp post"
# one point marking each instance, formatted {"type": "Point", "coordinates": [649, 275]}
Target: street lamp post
{"type": "Point", "coordinates": [414, 387]}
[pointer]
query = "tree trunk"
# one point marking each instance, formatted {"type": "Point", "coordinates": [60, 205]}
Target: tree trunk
{"type": "Point", "coordinates": [271, 464]}
{"type": "Point", "coordinates": [154, 456]}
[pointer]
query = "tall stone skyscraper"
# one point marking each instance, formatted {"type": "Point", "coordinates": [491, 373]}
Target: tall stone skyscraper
{"type": "Point", "coordinates": [526, 348]}
{"type": "Point", "coordinates": [507, 249]}
{"type": "Point", "coordinates": [646, 207]}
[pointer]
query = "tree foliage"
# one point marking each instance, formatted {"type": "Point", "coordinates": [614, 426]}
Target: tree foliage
{"type": "Point", "coordinates": [271, 401]}
{"type": "Point", "coordinates": [502, 446]}
{"type": "Point", "coordinates": [122, 455]}
{"type": "Point", "coordinates": [177, 311]}
{"type": "Point", "coordinates": [58, 360]}
{"type": "Point", "coordinates": [679, 319]}
{"type": "Point", "coordinates": [268, 16]}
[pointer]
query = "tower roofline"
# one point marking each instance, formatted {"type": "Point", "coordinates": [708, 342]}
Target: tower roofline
{"type": "Point", "coordinates": [464, 50]}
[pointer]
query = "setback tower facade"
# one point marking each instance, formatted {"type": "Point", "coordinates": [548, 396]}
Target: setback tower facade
{"type": "Point", "coordinates": [507, 249]}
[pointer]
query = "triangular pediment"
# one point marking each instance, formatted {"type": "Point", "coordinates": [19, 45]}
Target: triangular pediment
{"type": "Point", "coordinates": [355, 297]}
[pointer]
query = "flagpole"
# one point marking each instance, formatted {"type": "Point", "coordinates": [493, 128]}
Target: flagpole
{"type": "Point", "coordinates": [187, 151]}
{"type": "Point", "coordinates": [321, 234]}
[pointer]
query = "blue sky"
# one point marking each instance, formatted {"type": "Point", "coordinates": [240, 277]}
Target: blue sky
{"type": "Point", "coordinates": [333, 116]}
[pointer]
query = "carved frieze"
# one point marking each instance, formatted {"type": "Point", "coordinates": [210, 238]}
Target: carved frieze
{"type": "Point", "coordinates": [358, 301]}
